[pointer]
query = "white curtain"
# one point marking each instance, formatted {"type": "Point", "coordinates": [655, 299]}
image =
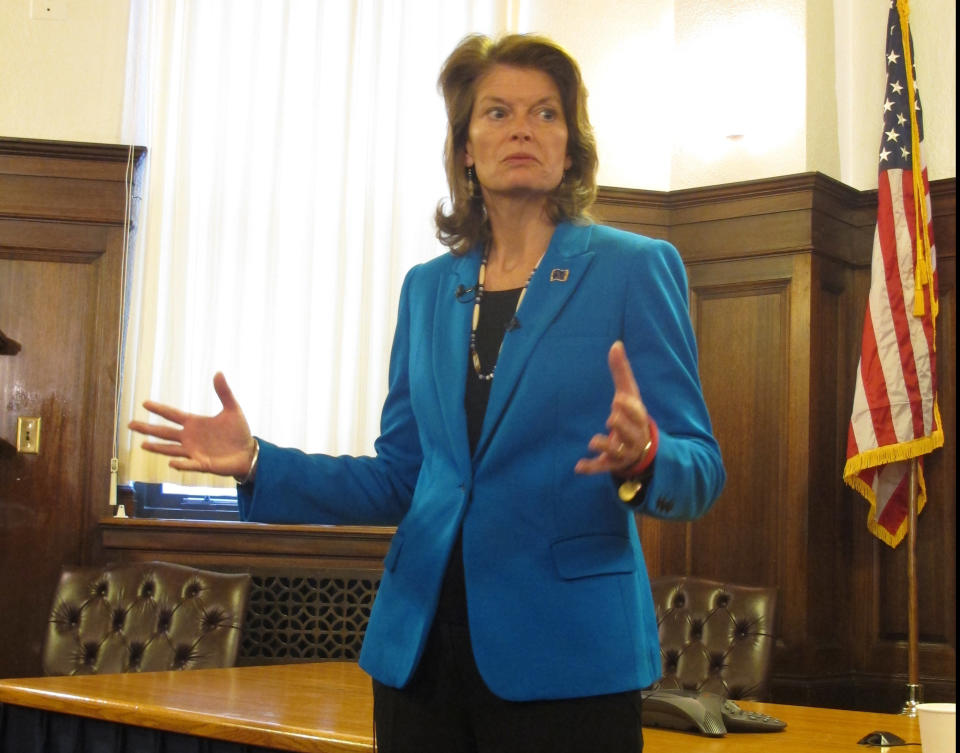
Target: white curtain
{"type": "Point", "coordinates": [294, 164]}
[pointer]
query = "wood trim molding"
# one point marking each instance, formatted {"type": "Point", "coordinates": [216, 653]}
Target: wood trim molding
{"type": "Point", "coordinates": [66, 182]}
{"type": "Point", "coordinates": [253, 544]}
{"type": "Point", "coordinates": [86, 151]}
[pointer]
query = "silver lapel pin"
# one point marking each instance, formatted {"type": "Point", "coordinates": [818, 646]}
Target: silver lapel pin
{"type": "Point", "coordinates": [559, 275]}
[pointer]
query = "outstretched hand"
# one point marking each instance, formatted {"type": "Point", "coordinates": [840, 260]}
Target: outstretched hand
{"type": "Point", "coordinates": [628, 426]}
{"type": "Point", "coordinates": [220, 444]}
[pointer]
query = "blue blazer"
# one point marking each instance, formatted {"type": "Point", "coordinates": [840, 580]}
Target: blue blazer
{"type": "Point", "coordinates": [558, 597]}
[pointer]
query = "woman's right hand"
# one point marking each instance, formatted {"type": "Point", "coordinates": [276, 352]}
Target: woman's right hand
{"type": "Point", "coordinates": [220, 444]}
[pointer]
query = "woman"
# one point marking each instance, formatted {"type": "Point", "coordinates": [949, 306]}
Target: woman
{"type": "Point", "coordinates": [514, 612]}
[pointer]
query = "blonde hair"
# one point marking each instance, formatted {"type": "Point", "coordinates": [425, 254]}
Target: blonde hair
{"type": "Point", "coordinates": [466, 223]}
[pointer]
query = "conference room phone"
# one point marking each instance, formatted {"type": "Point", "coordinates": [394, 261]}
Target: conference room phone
{"type": "Point", "coordinates": [702, 712]}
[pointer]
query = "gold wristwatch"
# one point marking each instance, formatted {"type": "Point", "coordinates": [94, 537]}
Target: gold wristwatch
{"type": "Point", "coordinates": [629, 489]}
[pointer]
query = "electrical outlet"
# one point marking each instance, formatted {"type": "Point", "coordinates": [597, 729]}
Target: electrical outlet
{"type": "Point", "coordinates": [48, 10]}
{"type": "Point", "coordinates": [28, 435]}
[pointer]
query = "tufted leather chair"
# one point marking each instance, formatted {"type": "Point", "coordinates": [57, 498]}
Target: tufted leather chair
{"type": "Point", "coordinates": [715, 637]}
{"type": "Point", "coordinates": [144, 616]}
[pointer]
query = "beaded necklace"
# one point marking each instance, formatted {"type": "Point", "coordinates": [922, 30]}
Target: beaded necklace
{"type": "Point", "coordinates": [475, 357]}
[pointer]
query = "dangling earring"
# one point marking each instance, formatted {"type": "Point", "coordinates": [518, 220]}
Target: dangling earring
{"type": "Point", "coordinates": [472, 187]}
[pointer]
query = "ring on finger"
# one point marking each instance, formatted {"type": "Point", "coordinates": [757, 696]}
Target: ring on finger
{"type": "Point", "coordinates": [619, 452]}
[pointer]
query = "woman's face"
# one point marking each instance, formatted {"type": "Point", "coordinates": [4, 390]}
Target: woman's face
{"type": "Point", "coordinates": [517, 140]}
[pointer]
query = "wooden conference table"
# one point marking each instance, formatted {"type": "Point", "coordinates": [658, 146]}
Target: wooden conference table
{"type": "Point", "coordinates": [327, 708]}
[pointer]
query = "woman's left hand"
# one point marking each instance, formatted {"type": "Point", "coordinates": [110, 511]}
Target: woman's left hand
{"type": "Point", "coordinates": [628, 426]}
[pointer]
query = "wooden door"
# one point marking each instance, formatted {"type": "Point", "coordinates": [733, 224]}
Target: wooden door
{"type": "Point", "coordinates": [61, 249]}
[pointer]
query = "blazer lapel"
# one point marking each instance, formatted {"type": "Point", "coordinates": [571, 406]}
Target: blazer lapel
{"type": "Point", "coordinates": [451, 329]}
{"type": "Point", "coordinates": [560, 272]}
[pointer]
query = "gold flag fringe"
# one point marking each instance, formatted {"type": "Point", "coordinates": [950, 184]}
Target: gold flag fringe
{"type": "Point", "coordinates": [892, 454]}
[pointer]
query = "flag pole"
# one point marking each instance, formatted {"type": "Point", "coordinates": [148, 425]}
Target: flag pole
{"type": "Point", "coordinates": [914, 688]}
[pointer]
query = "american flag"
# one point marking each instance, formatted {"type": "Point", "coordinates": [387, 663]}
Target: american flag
{"type": "Point", "coordinates": [895, 415]}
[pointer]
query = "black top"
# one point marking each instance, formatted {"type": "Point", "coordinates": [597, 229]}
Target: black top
{"type": "Point", "coordinates": [496, 313]}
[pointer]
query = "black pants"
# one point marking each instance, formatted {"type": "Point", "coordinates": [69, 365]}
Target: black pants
{"type": "Point", "coordinates": [447, 708]}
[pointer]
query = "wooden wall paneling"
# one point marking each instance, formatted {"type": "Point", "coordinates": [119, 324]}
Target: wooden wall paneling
{"type": "Point", "coordinates": [101, 392]}
{"type": "Point", "coordinates": [67, 199]}
{"type": "Point", "coordinates": [741, 314]}
{"type": "Point", "coordinates": [61, 240]}
{"type": "Point", "coordinates": [937, 536]}
{"type": "Point", "coordinates": [818, 669]}
{"type": "Point", "coordinates": [639, 211]}
{"type": "Point", "coordinates": [861, 547]}
{"type": "Point", "coordinates": [882, 572]}
{"type": "Point", "coordinates": [782, 266]}
{"type": "Point", "coordinates": [796, 652]}
{"type": "Point", "coordinates": [842, 233]}
{"type": "Point", "coordinates": [246, 546]}
{"type": "Point", "coordinates": [40, 520]}
{"type": "Point", "coordinates": [827, 597]}
{"type": "Point", "coordinates": [745, 220]}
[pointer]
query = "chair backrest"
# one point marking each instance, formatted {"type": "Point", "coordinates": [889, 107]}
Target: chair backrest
{"type": "Point", "coordinates": [715, 637]}
{"type": "Point", "coordinates": [144, 616]}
